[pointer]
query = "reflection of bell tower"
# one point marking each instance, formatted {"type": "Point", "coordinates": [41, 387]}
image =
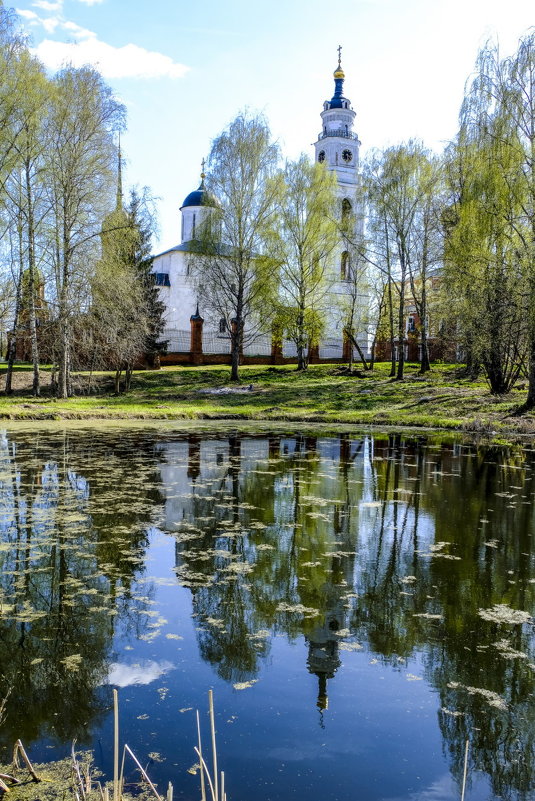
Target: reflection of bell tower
{"type": "Point", "coordinates": [323, 660]}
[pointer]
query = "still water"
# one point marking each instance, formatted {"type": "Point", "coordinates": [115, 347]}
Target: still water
{"type": "Point", "coordinates": [360, 605]}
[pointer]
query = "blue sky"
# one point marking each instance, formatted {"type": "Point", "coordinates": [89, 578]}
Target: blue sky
{"type": "Point", "coordinates": [184, 69]}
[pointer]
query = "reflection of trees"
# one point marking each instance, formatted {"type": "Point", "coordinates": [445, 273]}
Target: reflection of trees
{"type": "Point", "coordinates": [275, 550]}
{"type": "Point", "coordinates": [425, 535]}
{"type": "Point", "coordinates": [465, 502]}
{"type": "Point", "coordinates": [68, 556]}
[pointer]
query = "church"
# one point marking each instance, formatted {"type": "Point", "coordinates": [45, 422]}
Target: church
{"type": "Point", "coordinates": [337, 146]}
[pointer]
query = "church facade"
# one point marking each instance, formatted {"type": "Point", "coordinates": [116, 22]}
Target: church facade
{"type": "Point", "coordinates": [337, 146]}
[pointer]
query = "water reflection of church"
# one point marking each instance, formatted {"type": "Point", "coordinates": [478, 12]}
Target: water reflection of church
{"type": "Point", "coordinates": [214, 481]}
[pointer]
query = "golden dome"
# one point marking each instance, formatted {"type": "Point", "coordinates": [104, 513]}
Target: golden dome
{"type": "Point", "coordinates": [339, 73]}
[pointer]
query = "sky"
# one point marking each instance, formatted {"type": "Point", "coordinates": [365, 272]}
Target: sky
{"type": "Point", "coordinates": [185, 68]}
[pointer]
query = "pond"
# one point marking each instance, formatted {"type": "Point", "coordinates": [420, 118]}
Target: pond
{"type": "Point", "coordinates": [359, 603]}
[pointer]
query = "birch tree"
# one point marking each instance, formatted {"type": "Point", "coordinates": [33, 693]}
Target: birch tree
{"type": "Point", "coordinates": [82, 119]}
{"type": "Point", "coordinates": [302, 242]}
{"type": "Point", "coordinates": [491, 239]}
{"type": "Point", "coordinates": [397, 186]}
{"type": "Point", "coordinates": [234, 278]}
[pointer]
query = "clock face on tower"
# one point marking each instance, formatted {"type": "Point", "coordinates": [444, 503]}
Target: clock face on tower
{"type": "Point", "coordinates": [321, 155]}
{"type": "Point", "coordinates": [347, 156]}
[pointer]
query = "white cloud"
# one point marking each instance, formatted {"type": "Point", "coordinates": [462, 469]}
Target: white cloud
{"type": "Point", "coordinates": [77, 31]}
{"type": "Point", "coordinates": [27, 14]}
{"type": "Point", "coordinates": [129, 61]}
{"type": "Point", "coordinates": [47, 5]}
{"type": "Point", "coordinates": [143, 673]}
{"type": "Point", "coordinates": [91, 2]}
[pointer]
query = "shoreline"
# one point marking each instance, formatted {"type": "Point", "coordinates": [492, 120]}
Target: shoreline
{"type": "Point", "coordinates": [441, 401]}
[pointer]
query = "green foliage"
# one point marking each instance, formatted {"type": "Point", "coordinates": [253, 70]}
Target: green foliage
{"type": "Point", "coordinates": [235, 278]}
{"type": "Point", "coordinates": [302, 239]}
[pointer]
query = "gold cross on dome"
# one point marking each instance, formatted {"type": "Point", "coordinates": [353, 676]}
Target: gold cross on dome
{"type": "Point", "coordinates": [339, 54]}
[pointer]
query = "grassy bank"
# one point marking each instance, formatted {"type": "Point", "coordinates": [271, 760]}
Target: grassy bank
{"type": "Point", "coordinates": [324, 393]}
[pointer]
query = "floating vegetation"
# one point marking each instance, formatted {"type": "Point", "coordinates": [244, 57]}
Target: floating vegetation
{"type": "Point", "coordinates": [72, 662]}
{"type": "Point", "coordinates": [350, 646]}
{"type": "Point", "coordinates": [261, 634]}
{"type": "Point", "coordinates": [492, 698]}
{"type": "Point", "coordinates": [244, 685]}
{"type": "Point", "coordinates": [508, 652]}
{"type": "Point", "coordinates": [501, 613]}
{"type": "Point", "coordinates": [283, 606]}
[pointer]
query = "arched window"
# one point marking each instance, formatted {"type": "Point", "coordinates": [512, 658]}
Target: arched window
{"type": "Point", "coordinates": [346, 209]}
{"type": "Point", "coordinates": [193, 226]}
{"type": "Point", "coordinates": [344, 266]}
{"type": "Point", "coordinates": [222, 325]}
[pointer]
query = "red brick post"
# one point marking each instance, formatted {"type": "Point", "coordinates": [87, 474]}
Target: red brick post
{"type": "Point", "coordinates": [196, 323]}
{"type": "Point", "coordinates": [313, 354]}
{"type": "Point", "coordinates": [276, 347]}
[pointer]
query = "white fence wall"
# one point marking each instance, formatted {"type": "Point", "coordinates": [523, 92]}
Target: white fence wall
{"type": "Point", "coordinates": [177, 341]}
{"type": "Point", "coordinates": [289, 350]}
{"type": "Point", "coordinates": [259, 346]}
{"type": "Point", "coordinates": [212, 342]}
{"type": "Point", "coordinates": [331, 348]}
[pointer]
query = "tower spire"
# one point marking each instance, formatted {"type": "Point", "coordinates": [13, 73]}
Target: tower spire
{"type": "Point", "coordinates": [119, 205]}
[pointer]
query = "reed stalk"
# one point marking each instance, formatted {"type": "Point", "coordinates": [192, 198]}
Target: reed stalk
{"type": "Point", "coordinates": [19, 748]}
{"type": "Point", "coordinates": [203, 789]}
{"type": "Point", "coordinates": [143, 772]}
{"type": "Point", "coordinates": [204, 767]}
{"type": "Point", "coordinates": [116, 746]}
{"type": "Point", "coordinates": [214, 748]}
{"type": "Point", "coordinates": [465, 768]}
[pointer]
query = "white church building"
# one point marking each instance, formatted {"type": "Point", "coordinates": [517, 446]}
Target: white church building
{"type": "Point", "coordinates": [337, 147]}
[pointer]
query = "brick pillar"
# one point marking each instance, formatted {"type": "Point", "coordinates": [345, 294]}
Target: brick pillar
{"type": "Point", "coordinates": [276, 348]}
{"type": "Point", "coordinates": [346, 347]}
{"type": "Point", "coordinates": [196, 323]}
{"type": "Point", "coordinates": [313, 354]}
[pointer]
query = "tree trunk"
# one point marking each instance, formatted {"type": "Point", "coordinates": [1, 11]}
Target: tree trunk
{"type": "Point", "coordinates": [128, 377]}
{"type": "Point", "coordinates": [390, 305]}
{"type": "Point", "coordinates": [63, 391]}
{"type": "Point", "coordinates": [235, 343]}
{"type": "Point", "coordinates": [401, 331]}
{"type": "Point", "coordinates": [302, 362]}
{"type": "Point", "coordinates": [12, 348]}
{"type": "Point", "coordinates": [36, 387]}
{"type": "Point", "coordinates": [424, 362]}
{"type": "Point", "coordinates": [401, 314]}
{"type": "Point", "coordinates": [12, 344]}
{"type": "Point", "coordinates": [359, 350]}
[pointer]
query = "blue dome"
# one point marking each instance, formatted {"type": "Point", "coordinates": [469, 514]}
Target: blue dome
{"type": "Point", "coordinates": [200, 197]}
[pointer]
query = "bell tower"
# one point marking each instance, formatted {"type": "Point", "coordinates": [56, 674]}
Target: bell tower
{"type": "Point", "coordinates": [337, 145]}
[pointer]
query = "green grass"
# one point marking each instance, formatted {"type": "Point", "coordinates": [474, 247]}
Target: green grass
{"type": "Point", "coordinates": [441, 399]}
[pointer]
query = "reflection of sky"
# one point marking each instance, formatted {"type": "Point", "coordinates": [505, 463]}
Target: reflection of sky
{"type": "Point", "coordinates": [139, 673]}
{"type": "Point", "coordinates": [444, 789]}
